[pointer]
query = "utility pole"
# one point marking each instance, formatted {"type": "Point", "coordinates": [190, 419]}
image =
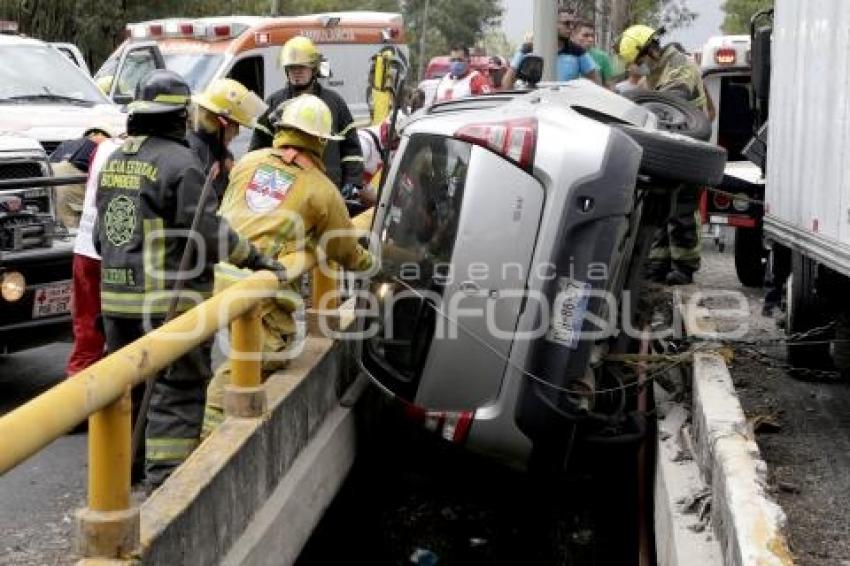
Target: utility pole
{"type": "Point", "coordinates": [546, 35]}
{"type": "Point", "coordinates": [275, 7]}
{"type": "Point", "coordinates": [422, 34]}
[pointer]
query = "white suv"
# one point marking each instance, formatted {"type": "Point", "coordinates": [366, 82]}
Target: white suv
{"type": "Point", "coordinates": [46, 97]}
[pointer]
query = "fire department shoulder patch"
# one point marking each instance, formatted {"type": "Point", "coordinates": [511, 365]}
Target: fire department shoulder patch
{"type": "Point", "coordinates": [268, 188]}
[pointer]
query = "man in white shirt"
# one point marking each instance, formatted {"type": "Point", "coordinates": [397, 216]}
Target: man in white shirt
{"type": "Point", "coordinates": [461, 80]}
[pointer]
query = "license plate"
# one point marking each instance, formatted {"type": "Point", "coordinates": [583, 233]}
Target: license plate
{"type": "Point", "coordinates": [568, 312]}
{"type": "Point", "coordinates": [52, 299]}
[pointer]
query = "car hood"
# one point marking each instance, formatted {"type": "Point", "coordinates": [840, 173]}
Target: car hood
{"type": "Point", "coordinates": [58, 122]}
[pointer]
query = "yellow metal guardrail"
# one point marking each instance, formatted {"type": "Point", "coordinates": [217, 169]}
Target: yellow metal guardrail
{"type": "Point", "coordinates": [109, 526]}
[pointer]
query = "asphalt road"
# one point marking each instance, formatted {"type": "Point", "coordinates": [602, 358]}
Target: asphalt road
{"type": "Point", "coordinates": [38, 498]}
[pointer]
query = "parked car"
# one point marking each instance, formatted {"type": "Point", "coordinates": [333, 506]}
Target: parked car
{"type": "Point", "coordinates": [507, 222]}
{"type": "Point", "coordinates": [35, 258]}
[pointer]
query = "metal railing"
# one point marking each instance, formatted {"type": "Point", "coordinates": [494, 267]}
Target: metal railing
{"type": "Point", "coordinates": [109, 526]}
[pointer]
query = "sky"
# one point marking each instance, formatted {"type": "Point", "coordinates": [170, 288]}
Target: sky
{"type": "Point", "coordinates": [518, 17]}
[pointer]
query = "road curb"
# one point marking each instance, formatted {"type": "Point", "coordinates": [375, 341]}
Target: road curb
{"type": "Point", "coordinates": [708, 451]}
{"type": "Point", "coordinates": [748, 523]}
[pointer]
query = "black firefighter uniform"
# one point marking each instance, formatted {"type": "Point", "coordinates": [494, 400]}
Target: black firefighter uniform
{"type": "Point", "coordinates": [677, 244]}
{"type": "Point", "coordinates": [148, 191]}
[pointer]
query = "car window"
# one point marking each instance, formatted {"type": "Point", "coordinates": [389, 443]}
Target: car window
{"type": "Point", "coordinates": [249, 72]}
{"type": "Point", "coordinates": [139, 62]}
{"type": "Point", "coordinates": [40, 72]}
{"type": "Point", "coordinates": [196, 68]}
{"type": "Point", "coordinates": [426, 197]}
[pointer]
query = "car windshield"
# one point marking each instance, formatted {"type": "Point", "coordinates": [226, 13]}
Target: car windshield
{"type": "Point", "coordinates": [196, 68]}
{"type": "Point", "coordinates": [40, 73]}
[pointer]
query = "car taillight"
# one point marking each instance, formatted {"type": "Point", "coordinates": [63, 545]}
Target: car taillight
{"type": "Point", "coordinates": [721, 201]}
{"type": "Point", "coordinates": [513, 139]}
{"type": "Point", "coordinates": [155, 30]}
{"type": "Point", "coordinates": [725, 56]}
{"type": "Point", "coordinates": [452, 426]}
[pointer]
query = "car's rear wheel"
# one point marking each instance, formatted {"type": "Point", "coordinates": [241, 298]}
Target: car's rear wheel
{"type": "Point", "coordinates": [678, 158]}
{"type": "Point", "coordinates": [674, 113]}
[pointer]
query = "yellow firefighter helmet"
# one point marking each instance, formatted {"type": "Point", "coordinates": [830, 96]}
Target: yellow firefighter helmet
{"type": "Point", "coordinates": [634, 42]}
{"type": "Point", "coordinates": [299, 51]}
{"type": "Point", "coordinates": [307, 113]}
{"type": "Point", "coordinates": [230, 99]}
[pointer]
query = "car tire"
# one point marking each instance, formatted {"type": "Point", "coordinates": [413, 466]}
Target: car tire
{"type": "Point", "coordinates": [678, 158]}
{"type": "Point", "coordinates": [674, 113]}
{"type": "Point", "coordinates": [803, 312]}
{"type": "Point", "coordinates": [750, 257]}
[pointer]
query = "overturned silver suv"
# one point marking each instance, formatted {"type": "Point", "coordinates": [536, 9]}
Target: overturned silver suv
{"type": "Point", "coordinates": [512, 233]}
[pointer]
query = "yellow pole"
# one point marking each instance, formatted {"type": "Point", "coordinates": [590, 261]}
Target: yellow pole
{"type": "Point", "coordinates": [109, 456]}
{"type": "Point", "coordinates": [247, 333]}
{"type": "Point", "coordinates": [324, 283]}
{"type": "Point", "coordinates": [34, 425]}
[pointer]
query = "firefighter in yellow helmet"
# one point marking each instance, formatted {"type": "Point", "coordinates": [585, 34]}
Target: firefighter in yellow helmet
{"type": "Point", "coordinates": [300, 61]}
{"type": "Point", "coordinates": [217, 113]}
{"type": "Point", "coordinates": [278, 199]}
{"type": "Point", "coordinates": [675, 253]}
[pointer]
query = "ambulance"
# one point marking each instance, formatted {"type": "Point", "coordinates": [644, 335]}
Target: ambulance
{"type": "Point", "coordinates": [246, 48]}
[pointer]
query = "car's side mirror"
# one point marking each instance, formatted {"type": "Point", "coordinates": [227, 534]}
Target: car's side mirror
{"type": "Point", "coordinates": [530, 69]}
{"type": "Point", "coordinates": [761, 34]}
{"type": "Point", "coordinates": [122, 99]}
{"type": "Point", "coordinates": [325, 70]}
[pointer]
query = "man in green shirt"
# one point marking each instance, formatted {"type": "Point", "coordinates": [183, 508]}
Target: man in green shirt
{"type": "Point", "coordinates": [584, 34]}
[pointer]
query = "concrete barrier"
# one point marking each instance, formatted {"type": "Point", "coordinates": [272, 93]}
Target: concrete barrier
{"type": "Point", "coordinates": [239, 483]}
{"type": "Point", "coordinates": [746, 523]}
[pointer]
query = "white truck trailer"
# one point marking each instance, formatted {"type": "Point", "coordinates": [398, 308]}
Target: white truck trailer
{"type": "Point", "coordinates": [807, 208]}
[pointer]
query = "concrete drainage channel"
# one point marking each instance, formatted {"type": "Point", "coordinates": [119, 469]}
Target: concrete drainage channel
{"type": "Point", "coordinates": [711, 505]}
{"type": "Point", "coordinates": [260, 492]}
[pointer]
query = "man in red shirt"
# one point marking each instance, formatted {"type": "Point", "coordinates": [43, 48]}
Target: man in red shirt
{"type": "Point", "coordinates": [461, 80]}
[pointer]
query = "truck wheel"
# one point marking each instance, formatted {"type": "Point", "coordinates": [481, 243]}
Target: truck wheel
{"type": "Point", "coordinates": [678, 158]}
{"type": "Point", "coordinates": [749, 257]}
{"type": "Point", "coordinates": [803, 312]}
{"type": "Point", "coordinates": [674, 113]}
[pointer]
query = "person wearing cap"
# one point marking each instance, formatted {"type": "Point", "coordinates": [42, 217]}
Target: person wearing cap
{"type": "Point", "coordinates": [279, 198]}
{"type": "Point", "coordinates": [675, 253]}
{"type": "Point", "coordinates": [300, 61]}
{"type": "Point", "coordinates": [71, 158]}
{"type": "Point", "coordinates": [147, 197]}
{"type": "Point", "coordinates": [215, 118]}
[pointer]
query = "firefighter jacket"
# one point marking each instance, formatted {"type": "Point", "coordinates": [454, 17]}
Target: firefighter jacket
{"type": "Point", "coordinates": [148, 191]}
{"type": "Point", "coordinates": [343, 159]}
{"type": "Point", "coordinates": [676, 74]}
{"type": "Point", "coordinates": [209, 149]}
{"type": "Point", "coordinates": [279, 199]}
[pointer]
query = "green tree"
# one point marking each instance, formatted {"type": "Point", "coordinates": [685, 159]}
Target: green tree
{"type": "Point", "coordinates": [739, 12]}
{"type": "Point", "coordinates": [448, 22]}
